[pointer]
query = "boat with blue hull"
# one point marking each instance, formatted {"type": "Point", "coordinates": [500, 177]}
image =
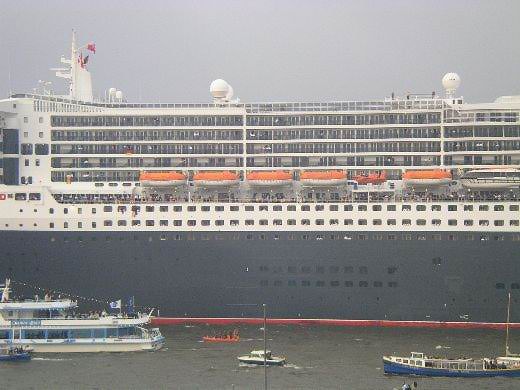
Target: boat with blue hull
{"type": "Point", "coordinates": [420, 364]}
{"type": "Point", "coordinates": [13, 354]}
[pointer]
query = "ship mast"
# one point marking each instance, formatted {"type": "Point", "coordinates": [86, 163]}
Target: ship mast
{"type": "Point", "coordinates": [507, 323]}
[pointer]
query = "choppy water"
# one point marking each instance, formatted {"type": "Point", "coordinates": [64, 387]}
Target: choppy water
{"type": "Point", "coordinates": [319, 358]}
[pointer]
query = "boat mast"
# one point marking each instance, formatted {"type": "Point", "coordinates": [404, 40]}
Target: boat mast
{"type": "Point", "coordinates": [507, 323]}
{"type": "Point", "coordinates": [265, 347]}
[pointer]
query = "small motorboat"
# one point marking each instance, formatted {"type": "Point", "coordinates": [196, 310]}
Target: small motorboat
{"type": "Point", "coordinates": [230, 337]}
{"type": "Point", "coordinates": [11, 354]}
{"type": "Point", "coordinates": [257, 357]}
{"type": "Point", "coordinates": [219, 339]}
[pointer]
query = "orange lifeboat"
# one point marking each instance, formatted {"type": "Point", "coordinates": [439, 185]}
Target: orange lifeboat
{"type": "Point", "coordinates": [371, 178]}
{"type": "Point", "coordinates": [427, 178]}
{"type": "Point", "coordinates": [162, 179]}
{"type": "Point", "coordinates": [269, 178]}
{"type": "Point", "coordinates": [322, 178]}
{"type": "Point", "coordinates": [215, 179]}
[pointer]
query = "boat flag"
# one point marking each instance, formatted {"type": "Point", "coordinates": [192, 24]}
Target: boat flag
{"type": "Point", "coordinates": [115, 304]}
{"type": "Point", "coordinates": [91, 47]}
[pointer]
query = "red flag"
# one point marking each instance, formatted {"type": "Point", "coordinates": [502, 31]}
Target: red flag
{"type": "Point", "coordinates": [92, 47]}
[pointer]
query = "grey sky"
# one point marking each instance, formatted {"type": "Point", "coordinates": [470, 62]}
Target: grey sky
{"type": "Point", "coordinates": [268, 50]}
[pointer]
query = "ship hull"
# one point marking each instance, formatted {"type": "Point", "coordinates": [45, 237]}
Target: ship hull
{"type": "Point", "coordinates": [223, 274]}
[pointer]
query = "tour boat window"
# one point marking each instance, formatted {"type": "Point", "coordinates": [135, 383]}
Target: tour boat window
{"type": "Point", "coordinates": [249, 208]}
{"type": "Point", "coordinates": [406, 207]}
{"type": "Point", "coordinates": [121, 222]}
{"type": "Point", "coordinates": [452, 222]}
{"type": "Point", "coordinates": [513, 222]}
{"type": "Point", "coordinates": [392, 237]}
{"type": "Point", "coordinates": [94, 224]}
{"type": "Point", "coordinates": [177, 222]}
{"type": "Point", "coordinates": [362, 222]}
{"type": "Point", "coordinates": [205, 222]}
{"type": "Point", "coordinates": [192, 222]}
{"type": "Point", "coordinates": [348, 222]}
{"type": "Point", "coordinates": [163, 209]}
{"type": "Point", "coordinates": [483, 207]}
{"type": "Point", "coordinates": [306, 283]}
{"type": "Point", "coordinates": [277, 222]}
{"type": "Point", "coordinates": [263, 208]}
{"type": "Point", "coordinates": [452, 207]}
{"type": "Point", "coordinates": [51, 224]}
{"type": "Point", "coordinates": [305, 222]}
{"type": "Point", "coordinates": [391, 207]}
{"type": "Point", "coordinates": [149, 209]}
{"type": "Point", "coordinates": [452, 237]}
{"type": "Point", "coordinates": [421, 222]}
{"type": "Point", "coordinates": [498, 207]}
{"type": "Point", "coordinates": [108, 209]}
{"type": "Point", "coordinates": [347, 207]}
{"type": "Point", "coordinates": [333, 222]}
{"type": "Point", "coordinates": [377, 207]}
{"type": "Point", "coordinates": [234, 222]}
{"type": "Point", "coordinates": [406, 222]}
{"type": "Point", "coordinates": [150, 222]}
{"type": "Point", "coordinates": [93, 210]}
{"type": "Point", "coordinates": [420, 207]}
{"type": "Point", "coordinates": [407, 237]}
{"type": "Point", "coordinates": [163, 222]}
{"type": "Point", "coordinates": [291, 208]}
{"type": "Point", "coordinates": [250, 222]}
{"type": "Point", "coordinates": [65, 225]}
{"type": "Point", "coordinates": [136, 222]}
{"type": "Point", "coordinates": [362, 207]}
{"type": "Point", "coordinates": [436, 222]}
{"type": "Point", "coordinates": [291, 222]}
{"type": "Point", "coordinates": [277, 208]}
{"type": "Point", "coordinates": [99, 184]}
{"type": "Point", "coordinates": [513, 207]}
{"type": "Point", "coordinates": [468, 207]}
{"type": "Point", "coordinates": [306, 207]}
{"type": "Point", "coordinates": [436, 207]}
{"type": "Point", "coordinates": [204, 208]}
{"type": "Point", "coordinates": [319, 222]}
{"type": "Point", "coordinates": [218, 222]}
{"type": "Point", "coordinates": [20, 196]}
{"type": "Point", "coordinates": [333, 207]}
{"type": "Point", "coordinates": [391, 222]}
{"type": "Point", "coordinates": [107, 222]}
{"type": "Point", "coordinates": [233, 208]}
{"type": "Point", "coordinates": [192, 208]}
{"type": "Point", "coordinates": [51, 211]}
{"type": "Point", "coordinates": [377, 222]}
{"type": "Point", "coordinates": [319, 207]}
{"type": "Point", "coordinates": [177, 209]}
{"type": "Point", "coordinates": [362, 237]}
{"type": "Point", "coordinates": [499, 222]}
{"type": "Point", "coordinates": [219, 208]}
{"type": "Point", "coordinates": [483, 222]}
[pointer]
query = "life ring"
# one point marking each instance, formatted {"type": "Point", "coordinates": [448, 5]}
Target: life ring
{"type": "Point", "coordinates": [2, 197]}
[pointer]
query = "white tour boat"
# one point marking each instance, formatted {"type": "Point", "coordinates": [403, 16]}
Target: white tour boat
{"type": "Point", "coordinates": [48, 325]}
{"type": "Point", "coordinates": [257, 357]}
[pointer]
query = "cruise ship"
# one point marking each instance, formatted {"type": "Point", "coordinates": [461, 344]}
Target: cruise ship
{"type": "Point", "coordinates": [398, 209]}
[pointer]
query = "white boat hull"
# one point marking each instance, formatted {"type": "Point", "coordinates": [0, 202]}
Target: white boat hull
{"type": "Point", "coordinates": [161, 183]}
{"type": "Point", "coordinates": [480, 184]}
{"type": "Point", "coordinates": [268, 183]}
{"type": "Point", "coordinates": [89, 345]}
{"type": "Point", "coordinates": [427, 182]}
{"type": "Point", "coordinates": [322, 183]}
{"type": "Point", "coordinates": [215, 183]}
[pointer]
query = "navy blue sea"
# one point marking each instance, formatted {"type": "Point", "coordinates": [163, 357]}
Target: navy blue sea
{"type": "Point", "coordinates": [319, 358]}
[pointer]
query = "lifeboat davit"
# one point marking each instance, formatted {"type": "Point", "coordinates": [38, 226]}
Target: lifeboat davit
{"type": "Point", "coordinates": [371, 178]}
{"type": "Point", "coordinates": [323, 178]}
{"type": "Point", "coordinates": [269, 178]}
{"type": "Point", "coordinates": [162, 179]}
{"type": "Point", "coordinates": [215, 179]}
{"type": "Point", "coordinates": [427, 178]}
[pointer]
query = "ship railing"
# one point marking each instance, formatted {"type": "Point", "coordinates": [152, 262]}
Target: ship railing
{"type": "Point", "coordinates": [367, 197]}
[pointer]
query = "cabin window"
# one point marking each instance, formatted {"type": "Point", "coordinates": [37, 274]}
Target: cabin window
{"type": "Point", "coordinates": [250, 222]}
{"type": "Point", "coordinates": [192, 208]}
{"type": "Point", "coordinates": [149, 209]}
{"type": "Point", "coordinates": [499, 207]}
{"type": "Point", "coordinates": [177, 209]}
{"type": "Point", "coordinates": [377, 222]}
{"type": "Point", "coordinates": [177, 222]}
{"type": "Point", "coordinates": [452, 207]}
{"type": "Point", "coordinates": [513, 207]}
{"type": "Point", "coordinates": [513, 222]}
{"type": "Point", "coordinates": [219, 222]}
{"type": "Point", "coordinates": [421, 207]}
{"type": "Point", "coordinates": [205, 222]}
{"type": "Point", "coordinates": [421, 222]}
{"type": "Point", "coordinates": [391, 222]}
{"type": "Point", "coordinates": [150, 222]}
{"type": "Point", "coordinates": [305, 222]}
{"type": "Point", "coordinates": [362, 207]}
{"type": "Point", "coordinates": [452, 222]}
{"type": "Point", "coordinates": [348, 222]}
{"type": "Point", "coordinates": [35, 334]}
{"type": "Point", "coordinates": [333, 207]}
{"type": "Point", "coordinates": [499, 222]}
{"type": "Point", "coordinates": [362, 221]}
{"type": "Point", "coordinates": [219, 208]}
{"type": "Point", "coordinates": [57, 334]}
{"type": "Point", "coordinates": [406, 222]}
{"type": "Point", "coordinates": [234, 222]}
{"type": "Point", "coordinates": [391, 207]}
{"type": "Point", "coordinates": [291, 208]}
{"type": "Point", "coordinates": [108, 209]}
{"type": "Point", "coordinates": [291, 222]}
{"type": "Point", "coordinates": [263, 222]}
{"type": "Point", "coordinates": [247, 208]}
{"type": "Point", "coordinates": [406, 207]}
{"type": "Point", "coordinates": [468, 222]}
{"type": "Point", "coordinates": [436, 222]}
{"type": "Point", "coordinates": [319, 222]}
{"type": "Point", "coordinates": [306, 208]}
{"type": "Point", "coordinates": [136, 222]}
{"type": "Point", "coordinates": [277, 222]}
{"type": "Point", "coordinates": [233, 208]}
{"type": "Point", "coordinates": [348, 207]}
{"type": "Point", "coordinates": [436, 207]}
{"type": "Point", "coordinates": [163, 222]}
{"type": "Point", "coordinates": [121, 223]}
{"type": "Point", "coordinates": [163, 209]}
{"type": "Point", "coordinates": [483, 222]}
{"type": "Point", "coordinates": [376, 207]}
{"type": "Point", "coordinates": [483, 207]}
{"type": "Point", "coordinates": [468, 207]}
{"type": "Point", "coordinates": [192, 222]}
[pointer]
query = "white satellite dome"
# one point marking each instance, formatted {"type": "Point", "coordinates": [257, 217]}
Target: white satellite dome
{"type": "Point", "coordinates": [219, 89]}
{"type": "Point", "coordinates": [450, 82]}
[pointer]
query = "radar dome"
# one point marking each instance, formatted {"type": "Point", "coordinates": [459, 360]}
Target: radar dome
{"type": "Point", "coordinates": [450, 82]}
{"type": "Point", "coordinates": [219, 89]}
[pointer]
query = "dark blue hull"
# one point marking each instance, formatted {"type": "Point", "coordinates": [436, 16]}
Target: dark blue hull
{"type": "Point", "coordinates": [297, 274]}
{"type": "Point", "coordinates": [402, 369]}
{"type": "Point", "coordinates": [24, 356]}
